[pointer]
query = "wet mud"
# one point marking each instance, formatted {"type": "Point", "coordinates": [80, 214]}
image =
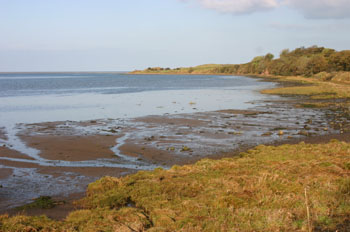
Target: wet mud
{"type": "Point", "coordinates": [62, 158]}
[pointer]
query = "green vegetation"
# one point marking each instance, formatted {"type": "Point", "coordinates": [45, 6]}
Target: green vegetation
{"type": "Point", "coordinates": [43, 202]}
{"type": "Point", "coordinates": [201, 69]}
{"type": "Point", "coordinates": [301, 61]}
{"type": "Point", "coordinates": [313, 87]}
{"type": "Point", "coordinates": [325, 71]}
{"type": "Point", "coordinates": [265, 189]}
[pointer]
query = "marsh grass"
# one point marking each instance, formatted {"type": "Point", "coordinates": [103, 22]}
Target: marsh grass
{"type": "Point", "coordinates": [262, 190]}
{"type": "Point", "coordinates": [312, 87]}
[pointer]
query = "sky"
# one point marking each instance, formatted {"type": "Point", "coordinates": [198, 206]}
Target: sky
{"type": "Point", "coordinates": [123, 35]}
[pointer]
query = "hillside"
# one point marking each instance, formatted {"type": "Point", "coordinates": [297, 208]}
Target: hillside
{"type": "Point", "coordinates": [324, 63]}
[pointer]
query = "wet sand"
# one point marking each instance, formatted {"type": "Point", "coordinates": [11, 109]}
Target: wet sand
{"type": "Point", "coordinates": [84, 171]}
{"type": "Point", "coordinates": [5, 172]}
{"type": "Point", "coordinates": [8, 152]}
{"type": "Point", "coordinates": [72, 148]}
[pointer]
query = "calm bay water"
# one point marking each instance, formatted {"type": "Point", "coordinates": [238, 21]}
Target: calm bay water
{"type": "Point", "coordinates": [43, 97]}
{"type": "Point", "coordinates": [112, 83]}
{"type": "Point", "coordinates": [36, 98]}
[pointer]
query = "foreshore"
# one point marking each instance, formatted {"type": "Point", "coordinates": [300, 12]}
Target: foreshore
{"type": "Point", "coordinates": [163, 141]}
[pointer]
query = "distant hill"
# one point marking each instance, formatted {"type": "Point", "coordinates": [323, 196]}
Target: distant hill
{"type": "Point", "coordinates": [299, 62]}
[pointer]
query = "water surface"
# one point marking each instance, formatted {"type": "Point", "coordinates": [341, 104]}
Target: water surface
{"type": "Point", "coordinates": [117, 100]}
{"type": "Point", "coordinates": [44, 97]}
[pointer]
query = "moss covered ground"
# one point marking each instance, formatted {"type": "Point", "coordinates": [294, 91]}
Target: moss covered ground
{"type": "Point", "coordinates": [265, 189]}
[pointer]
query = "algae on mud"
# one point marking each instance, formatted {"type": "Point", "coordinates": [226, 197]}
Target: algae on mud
{"type": "Point", "coordinates": [262, 190]}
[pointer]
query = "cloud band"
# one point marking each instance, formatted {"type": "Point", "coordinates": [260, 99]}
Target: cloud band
{"type": "Point", "coordinates": [314, 9]}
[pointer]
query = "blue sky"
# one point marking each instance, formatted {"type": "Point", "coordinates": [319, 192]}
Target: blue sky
{"type": "Point", "coordinates": [121, 35]}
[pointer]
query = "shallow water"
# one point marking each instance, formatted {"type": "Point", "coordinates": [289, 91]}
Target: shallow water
{"type": "Point", "coordinates": [33, 98]}
{"type": "Point", "coordinates": [43, 97]}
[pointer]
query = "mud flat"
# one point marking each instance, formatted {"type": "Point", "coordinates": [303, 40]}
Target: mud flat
{"type": "Point", "coordinates": [62, 157]}
{"type": "Point", "coordinates": [72, 148]}
{"type": "Point", "coordinates": [73, 154]}
{"type": "Point", "coordinates": [5, 173]}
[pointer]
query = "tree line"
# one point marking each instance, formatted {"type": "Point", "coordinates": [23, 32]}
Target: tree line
{"type": "Point", "coordinates": [301, 61]}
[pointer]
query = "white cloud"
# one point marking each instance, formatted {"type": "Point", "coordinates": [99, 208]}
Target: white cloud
{"type": "Point", "coordinates": [238, 6]}
{"type": "Point", "coordinates": [318, 9]}
{"type": "Point", "coordinates": [313, 27]}
{"type": "Point", "coordinates": [312, 9]}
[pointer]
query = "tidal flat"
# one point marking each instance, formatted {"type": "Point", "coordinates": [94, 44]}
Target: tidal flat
{"type": "Point", "coordinates": [70, 137]}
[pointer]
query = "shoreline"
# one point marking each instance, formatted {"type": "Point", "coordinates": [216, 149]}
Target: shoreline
{"type": "Point", "coordinates": [190, 159]}
{"type": "Point", "coordinates": [184, 74]}
{"type": "Point", "coordinates": [65, 72]}
{"type": "Point", "coordinates": [61, 211]}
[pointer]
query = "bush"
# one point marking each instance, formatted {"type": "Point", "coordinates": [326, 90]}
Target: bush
{"type": "Point", "coordinates": [342, 77]}
{"type": "Point", "coordinates": [324, 76]}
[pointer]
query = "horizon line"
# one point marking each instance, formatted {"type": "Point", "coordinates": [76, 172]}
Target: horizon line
{"type": "Point", "coordinates": [38, 72]}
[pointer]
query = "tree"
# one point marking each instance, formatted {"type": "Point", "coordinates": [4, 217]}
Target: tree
{"type": "Point", "coordinates": [316, 64]}
{"type": "Point", "coordinates": [269, 57]}
{"type": "Point", "coordinates": [284, 53]}
{"type": "Point", "coordinates": [340, 61]}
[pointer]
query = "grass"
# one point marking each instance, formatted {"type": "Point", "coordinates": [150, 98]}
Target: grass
{"type": "Point", "coordinates": [200, 69]}
{"type": "Point", "coordinates": [342, 77]}
{"type": "Point", "coordinates": [314, 88]}
{"type": "Point", "coordinates": [263, 190]}
{"type": "Point", "coordinates": [43, 202]}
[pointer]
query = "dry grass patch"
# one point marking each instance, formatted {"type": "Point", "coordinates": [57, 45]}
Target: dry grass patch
{"type": "Point", "coordinates": [263, 190]}
{"type": "Point", "coordinates": [315, 88]}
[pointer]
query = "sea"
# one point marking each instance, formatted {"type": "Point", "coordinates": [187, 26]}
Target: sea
{"type": "Point", "coordinates": [47, 97]}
